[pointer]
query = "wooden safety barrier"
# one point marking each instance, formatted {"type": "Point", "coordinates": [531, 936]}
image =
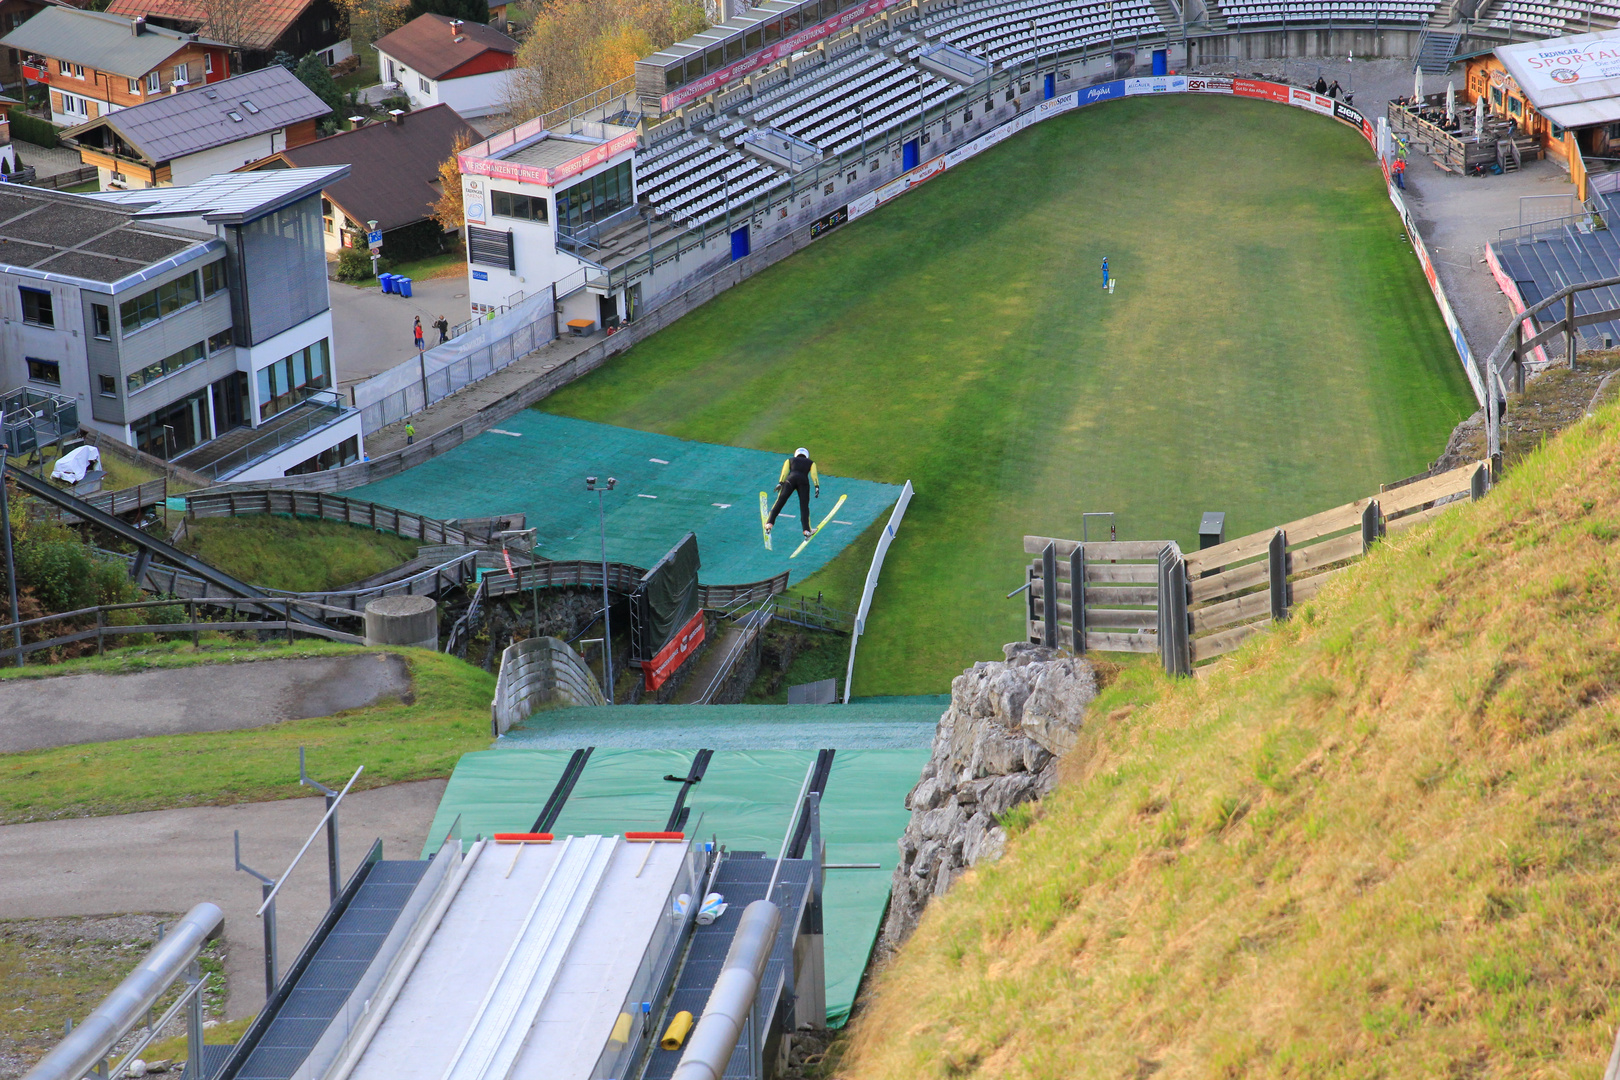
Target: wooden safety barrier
{"type": "Point", "coordinates": [328, 507]}
{"type": "Point", "coordinates": [1147, 596]}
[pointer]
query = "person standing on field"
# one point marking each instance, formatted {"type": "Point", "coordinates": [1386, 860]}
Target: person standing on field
{"type": "Point", "coordinates": [410, 433]}
{"type": "Point", "coordinates": [1105, 271]}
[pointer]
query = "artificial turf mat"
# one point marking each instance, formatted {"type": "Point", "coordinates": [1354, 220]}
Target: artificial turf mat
{"type": "Point", "coordinates": [537, 464]}
{"type": "Point", "coordinates": [744, 800]}
{"type": "Point", "coordinates": [1271, 350]}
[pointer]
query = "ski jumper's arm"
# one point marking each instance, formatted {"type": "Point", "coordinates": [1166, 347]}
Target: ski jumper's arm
{"type": "Point", "coordinates": [780, 480]}
{"type": "Point", "coordinates": [815, 478]}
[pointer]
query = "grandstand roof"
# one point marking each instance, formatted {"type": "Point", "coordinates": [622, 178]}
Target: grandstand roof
{"type": "Point", "coordinates": [1574, 81]}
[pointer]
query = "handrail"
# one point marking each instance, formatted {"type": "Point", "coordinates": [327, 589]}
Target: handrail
{"type": "Point", "coordinates": [89, 1044]}
{"type": "Point", "coordinates": [879, 553]}
{"type": "Point", "coordinates": [330, 810]}
{"type": "Point", "coordinates": [245, 455]}
{"type": "Point", "coordinates": [1513, 346]}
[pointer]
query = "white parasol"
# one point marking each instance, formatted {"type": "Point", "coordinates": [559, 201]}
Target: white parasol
{"type": "Point", "coordinates": [1451, 103]}
{"type": "Point", "coordinates": [1479, 116]}
{"type": "Point", "coordinates": [1417, 86]}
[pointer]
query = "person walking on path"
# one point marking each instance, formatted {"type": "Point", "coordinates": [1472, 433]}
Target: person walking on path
{"type": "Point", "coordinates": [442, 325]}
{"type": "Point", "coordinates": [1105, 271]}
{"type": "Point", "coordinates": [416, 332]}
{"type": "Point", "coordinates": [410, 433]}
{"type": "Point", "coordinates": [1397, 169]}
{"type": "Point", "coordinates": [798, 474]}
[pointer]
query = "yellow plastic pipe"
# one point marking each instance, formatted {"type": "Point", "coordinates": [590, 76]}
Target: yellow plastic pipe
{"type": "Point", "coordinates": [676, 1033]}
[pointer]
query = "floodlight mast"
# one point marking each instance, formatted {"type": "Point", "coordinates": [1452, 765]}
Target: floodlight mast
{"type": "Point", "coordinates": [607, 626]}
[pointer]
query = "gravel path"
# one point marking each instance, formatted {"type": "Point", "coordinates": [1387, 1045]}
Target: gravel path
{"type": "Point", "coordinates": [169, 860]}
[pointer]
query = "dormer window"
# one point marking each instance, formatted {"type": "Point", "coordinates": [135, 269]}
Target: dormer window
{"type": "Point", "coordinates": [235, 116]}
{"type": "Point", "coordinates": [250, 107]}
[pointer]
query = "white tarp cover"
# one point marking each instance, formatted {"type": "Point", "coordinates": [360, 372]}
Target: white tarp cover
{"type": "Point", "coordinates": [1575, 81]}
{"type": "Point", "coordinates": [74, 465]}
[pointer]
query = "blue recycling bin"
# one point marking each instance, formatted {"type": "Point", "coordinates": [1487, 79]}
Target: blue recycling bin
{"type": "Point", "coordinates": [402, 285]}
{"type": "Point", "coordinates": [386, 281]}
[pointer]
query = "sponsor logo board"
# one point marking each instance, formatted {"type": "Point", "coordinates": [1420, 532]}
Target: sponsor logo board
{"type": "Point", "coordinates": [671, 656]}
{"type": "Point", "coordinates": [1265, 91]}
{"type": "Point", "coordinates": [1156, 84]}
{"type": "Point", "coordinates": [1208, 84]}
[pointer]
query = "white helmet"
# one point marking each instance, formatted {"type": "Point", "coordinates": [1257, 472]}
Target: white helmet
{"type": "Point", "coordinates": [801, 452]}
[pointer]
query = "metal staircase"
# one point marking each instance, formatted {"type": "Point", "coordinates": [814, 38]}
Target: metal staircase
{"type": "Point", "coordinates": [1435, 51]}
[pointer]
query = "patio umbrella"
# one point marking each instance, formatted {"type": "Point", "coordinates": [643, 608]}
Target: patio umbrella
{"type": "Point", "coordinates": [1417, 86]}
{"type": "Point", "coordinates": [1479, 116]}
{"type": "Point", "coordinates": [1451, 103]}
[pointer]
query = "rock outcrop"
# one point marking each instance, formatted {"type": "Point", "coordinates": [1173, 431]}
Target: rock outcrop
{"type": "Point", "coordinates": [997, 746]}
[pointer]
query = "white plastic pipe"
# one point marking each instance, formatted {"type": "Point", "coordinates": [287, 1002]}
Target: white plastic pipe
{"type": "Point", "coordinates": [709, 1046]}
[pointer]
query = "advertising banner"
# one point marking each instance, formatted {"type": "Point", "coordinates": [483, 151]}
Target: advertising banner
{"type": "Point", "coordinates": [863, 205]}
{"type": "Point", "coordinates": [1208, 84]}
{"type": "Point", "coordinates": [1510, 289]}
{"type": "Point", "coordinates": [1552, 69]}
{"type": "Point", "coordinates": [1353, 117]}
{"type": "Point", "coordinates": [658, 670]}
{"type": "Point", "coordinates": [829, 222]}
{"type": "Point", "coordinates": [1458, 341]}
{"type": "Point", "coordinates": [1265, 91]}
{"type": "Point", "coordinates": [1107, 91]}
{"type": "Point", "coordinates": [1156, 84]}
{"type": "Point", "coordinates": [1305, 99]}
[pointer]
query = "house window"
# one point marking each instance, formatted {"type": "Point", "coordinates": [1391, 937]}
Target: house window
{"type": "Point", "coordinates": [221, 340]}
{"type": "Point", "coordinates": [151, 373]}
{"type": "Point", "coordinates": [154, 82]}
{"type": "Point", "coordinates": [72, 103]}
{"type": "Point", "coordinates": [591, 200]}
{"type": "Point", "coordinates": [1515, 107]}
{"type": "Point", "coordinates": [292, 379]}
{"type": "Point", "coordinates": [423, 85]}
{"type": "Point", "coordinates": [149, 307]}
{"type": "Point", "coordinates": [213, 277]}
{"type": "Point", "coordinates": [36, 305]}
{"type": "Point", "coordinates": [101, 321]}
{"type": "Point", "coordinates": [527, 207]}
{"type": "Point", "coordinates": [208, 63]}
{"type": "Point", "coordinates": [182, 73]}
{"type": "Point", "coordinates": [45, 371]}
{"type": "Point", "coordinates": [109, 386]}
{"type": "Point", "coordinates": [63, 67]}
{"type": "Point", "coordinates": [135, 87]}
{"type": "Point", "coordinates": [78, 71]}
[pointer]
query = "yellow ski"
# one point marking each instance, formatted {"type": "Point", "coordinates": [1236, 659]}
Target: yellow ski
{"type": "Point", "coordinates": [764, 517]}
{"type": "Point", "coordinates": [818, 528]}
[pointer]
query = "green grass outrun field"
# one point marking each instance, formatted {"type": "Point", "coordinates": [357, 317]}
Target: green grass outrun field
{"type": "Point", "coordinates": [1271, 350]}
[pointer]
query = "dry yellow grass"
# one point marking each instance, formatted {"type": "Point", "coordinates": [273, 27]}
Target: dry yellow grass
{"type": "Point", "coordinates": [1380, 841]}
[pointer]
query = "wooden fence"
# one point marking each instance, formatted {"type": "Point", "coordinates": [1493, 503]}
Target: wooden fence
{"type": "Point", "coordinates": [192, 625]}
{"type": "Point", "coordinates": [621, 578]}
{"type": "Point", "coordinates": [1146, 596]}
{"type": "Point", "coordinates": [130, 500]}
{"type": "Point", "coordinates": [329, 507]}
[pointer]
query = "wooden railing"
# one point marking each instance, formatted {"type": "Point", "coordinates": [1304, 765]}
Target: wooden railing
{"type": "Point", "coordinates": [328, 507]}
{"type": "Point", "coordinates": [130, 500]}
{"type": "Point", "coordinates": [1146, 596]}
{"type": "Point", "coordinates": [194, 626]}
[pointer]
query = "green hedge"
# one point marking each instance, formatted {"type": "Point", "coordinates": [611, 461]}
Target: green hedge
{"type": "Point", "coordinates": [33, 130]}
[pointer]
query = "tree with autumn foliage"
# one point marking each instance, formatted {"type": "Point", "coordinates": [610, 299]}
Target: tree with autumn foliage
{"type": "Point", "coordinates": [449, 211]}
{"type": "Point", "coordinates": [573, 47]}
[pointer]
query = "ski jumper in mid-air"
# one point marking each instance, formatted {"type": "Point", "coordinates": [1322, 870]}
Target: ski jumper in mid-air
{"type": "Point", "coordinates": [798, 474]}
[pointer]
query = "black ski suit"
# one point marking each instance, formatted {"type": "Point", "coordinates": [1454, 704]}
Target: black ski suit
{"type": "Point", "coordinates": [798, 474]}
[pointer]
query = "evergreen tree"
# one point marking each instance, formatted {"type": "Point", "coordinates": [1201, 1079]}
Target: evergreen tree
{"type": "Point", "coordinates": [312, 72]}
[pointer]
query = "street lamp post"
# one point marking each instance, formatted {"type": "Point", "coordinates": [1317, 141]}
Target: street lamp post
{"type": "Point", "coordinates": [371, 227]}
{"type": "Point", "coordinates": [607, 627]}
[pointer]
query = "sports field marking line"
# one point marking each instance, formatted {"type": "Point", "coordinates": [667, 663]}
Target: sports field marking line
{"type": "Point", "coordinates": [843, 522]}
{"type": "Point", "coordinates": [836, 506]}
{"type": "Point", "coordinates": [723, 506]}
{"type": "Point", "coordinates": [646, 496]}
{"type": "Point", "coordinates": [502, 431]}
{"type": "Point", "coordinates": [658, 461]}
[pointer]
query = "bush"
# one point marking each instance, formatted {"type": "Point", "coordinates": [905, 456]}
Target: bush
{"type": "Point", "coordinates": [354, 264]}
{"type": "Point", "coordinates": [32, 129]}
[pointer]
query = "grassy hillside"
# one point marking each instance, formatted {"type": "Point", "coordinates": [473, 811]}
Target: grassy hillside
{"type": "Point", "coordinates": [1381, 841]}
{"type": "Point", "coordinates": [298, 554]}
{"type": "Point", "coordinates": [1271, 350]}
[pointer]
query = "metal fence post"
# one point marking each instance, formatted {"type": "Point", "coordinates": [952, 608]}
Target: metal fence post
{"type": "Point", "coordinates": [1372, 525]}
{"type": "Point", "coordinates": [1077, 596]}
{"type": "Point", "coordinates": [1569, 330]}
{"type": "Point", "coordinates": [1277, 571]}
{"type": "Point", "coordinates": [1049, 598]}
{"type": "Point", "coordinates": [266, 884]}
{"type": "Point", "coordinates": [1479, 483]}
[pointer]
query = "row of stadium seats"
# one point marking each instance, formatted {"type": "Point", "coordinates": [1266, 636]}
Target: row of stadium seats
{"type": "Point", "coordinates": [1000, 32]}
{"type": "Point", "coordinates": [874, 93]}
{"type": "Point", "coordinates": [1543, 265]}
{"type": "Point", "coordinates": [1549, 16]}
{"type": "Point", "coordinates": [1239, 13]}
{"type": "Point", "coordinates": [691, 179]}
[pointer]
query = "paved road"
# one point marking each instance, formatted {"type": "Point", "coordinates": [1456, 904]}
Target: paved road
{"type": "Point", "coordinates": [168, 860]}
{"type": "Point", "coordinates": [371, 330]}
{"type": "Point", "coordinates": [68, 709]}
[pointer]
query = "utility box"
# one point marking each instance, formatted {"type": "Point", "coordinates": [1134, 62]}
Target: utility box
{"type": "Point", "coordinates": [1211, 530]}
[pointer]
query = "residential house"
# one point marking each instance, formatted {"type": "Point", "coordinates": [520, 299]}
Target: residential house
{"type": "Point", "coordinates": [13, 13]}
{"type": "Point", "coordinates": [393, 179]}
{"type": "Point", "coordinates": [96, 63]}
{"type": "Point", "coordinates": [436, 60]}
{"type": "Point", "coordinates": [259, 29]}
{"type": "Point", "coordinates": [191, 322]}
{"type": "Point", "coordinates": [183, 138]}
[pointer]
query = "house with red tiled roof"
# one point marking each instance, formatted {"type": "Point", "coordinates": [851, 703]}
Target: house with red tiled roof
{"type": "Point", "coordinates": [435, 60]}
{"type": "Point", "coordinates": [260, 28]}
